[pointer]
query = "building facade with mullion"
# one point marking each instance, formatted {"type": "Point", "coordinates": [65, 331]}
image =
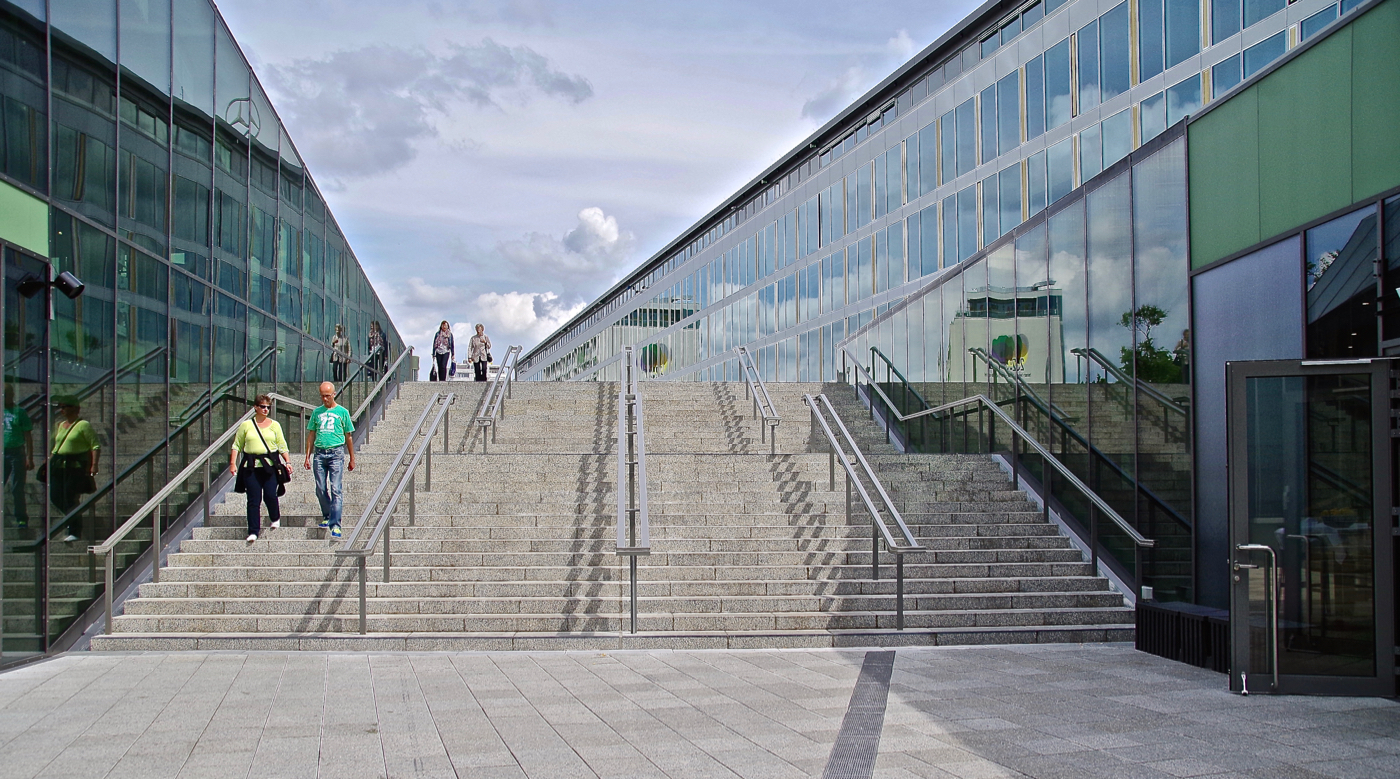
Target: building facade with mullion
{"type": "Point", "coordinates": [1160, 237]}
{"type": "Point", "coordinates": [139, 153]}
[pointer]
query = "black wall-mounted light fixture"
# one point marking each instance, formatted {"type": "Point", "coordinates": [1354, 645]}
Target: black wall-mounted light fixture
{"type": "Point", "coordinates": [70, 285]}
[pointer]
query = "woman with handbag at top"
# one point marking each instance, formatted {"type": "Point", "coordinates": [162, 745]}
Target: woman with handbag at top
{"type": "Point", "coordinates": [72, 463]}
{"type": "Point", "coordinates": [265, 456]}
{"type": "Point", "coordinates": [479, 352]}
{"type": "Point", "coordinates": [444, 350]}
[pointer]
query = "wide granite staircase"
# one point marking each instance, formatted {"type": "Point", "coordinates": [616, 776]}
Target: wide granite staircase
{"type": "Point", "coordinates": [514, 548]}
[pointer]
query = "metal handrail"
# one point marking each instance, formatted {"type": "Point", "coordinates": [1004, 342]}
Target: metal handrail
{"type": "Point", "coordinates": [207, 397]}
{"type": "Point", "coordinates": [391, 470]}
{"type": "Point", "coordinates": [762, 403]}
{"type": "Point", "coordinates": [364, 366]}
{"type": "Point", "coordinates": [1151, 391]}
{"type": "Point", "coordinates": [1097, 504]}
{"type": "Point", "coordinates": [633, 523]}
{"type": "Point", "coordinates": [493, 400]}
{"type": "Point", "coordinates": [108, 377]}
{"type": "Point", "coordinates": [152, 507]}
{"type": "Point", "coordinates": [407, 481]}
{"type": "Point", "coordinates": [899, 546]}
{"type": "Point", "coordinates": [383, 380]}
{"type": "Point", "coordinates": [1000, 369]}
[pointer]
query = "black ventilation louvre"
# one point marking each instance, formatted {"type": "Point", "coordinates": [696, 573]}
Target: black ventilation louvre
{"type": "Point", "coordinates": [1186, 633]}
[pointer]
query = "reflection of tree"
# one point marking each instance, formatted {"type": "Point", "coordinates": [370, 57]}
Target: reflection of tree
{"type": "Point", "coordinates": [1147, 362]}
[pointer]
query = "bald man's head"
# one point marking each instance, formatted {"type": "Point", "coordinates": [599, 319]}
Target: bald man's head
{"type": "Point", "coordinates": [327, 394]}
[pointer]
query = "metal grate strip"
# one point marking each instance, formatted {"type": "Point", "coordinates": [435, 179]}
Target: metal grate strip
{"type": "Point", "coordinates": [853, 754]}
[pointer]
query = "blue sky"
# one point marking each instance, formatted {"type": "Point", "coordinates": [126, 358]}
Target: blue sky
{"type": "Point", "coordinates": [506, 161]}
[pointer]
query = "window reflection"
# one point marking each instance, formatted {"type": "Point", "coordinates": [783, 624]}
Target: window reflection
{"type": "Point", "coordinates": [1339, 267]}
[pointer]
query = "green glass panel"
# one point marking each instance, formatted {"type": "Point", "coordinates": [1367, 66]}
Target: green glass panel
{"type": "Point", "coordinates": [1376, 60]}
{"type": "Point", "coordinates": [1305, 155]}
{"type": "Point", "coordinates": [1225, 180]}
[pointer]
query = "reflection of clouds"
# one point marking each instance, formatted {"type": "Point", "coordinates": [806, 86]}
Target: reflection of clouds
{"type": "Point", "coordinates": [1159, 222]}
{"type": "Point", "coordinates": [1110, 268]}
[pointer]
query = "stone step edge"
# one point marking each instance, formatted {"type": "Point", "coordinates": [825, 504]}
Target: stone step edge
{"type": "Point", "coordinates": [590, 641]}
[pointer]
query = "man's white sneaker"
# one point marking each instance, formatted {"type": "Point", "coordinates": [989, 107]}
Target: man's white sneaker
{"type": "Point", "coordinates": [252, 537]}
{"type": "Point", "coordinates": [276, 524]}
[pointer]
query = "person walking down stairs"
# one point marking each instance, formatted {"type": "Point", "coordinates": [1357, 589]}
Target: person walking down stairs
{"type": "Point", "coordinates": [327, 446]}
{"type": "Point", "coordinates": [261, 443]}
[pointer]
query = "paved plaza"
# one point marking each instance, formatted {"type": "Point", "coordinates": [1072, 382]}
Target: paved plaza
{"type": "Point", "coordinates": [991, 711]}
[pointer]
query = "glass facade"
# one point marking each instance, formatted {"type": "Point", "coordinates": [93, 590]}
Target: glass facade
{"type": "Point", "coordinates": [962, 147]}
{"type": "Point", "coordinates": [1028, 240]}
{"type": "Point", "coordinates": [150, 165]}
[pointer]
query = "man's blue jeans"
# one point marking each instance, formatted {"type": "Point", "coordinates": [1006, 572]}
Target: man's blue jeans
{"type": "Point", "coordinates": [328, 466]}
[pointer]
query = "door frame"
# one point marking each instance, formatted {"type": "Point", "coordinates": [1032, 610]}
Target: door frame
{"type": "Point", "coordinates": [1383, 523]}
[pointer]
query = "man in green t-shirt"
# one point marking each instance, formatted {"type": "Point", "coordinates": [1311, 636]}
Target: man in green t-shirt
{"type": "Point", "coordinates": [19, 453]}
{"type": "Point", "coordinates": [325, 454]}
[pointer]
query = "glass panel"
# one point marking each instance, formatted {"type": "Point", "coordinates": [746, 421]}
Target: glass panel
{"type": "Point", "coordinates": [967, 137]}
{"type": "Point", "coordinates": [194, 55]}
{"type": "Point", "coordinates": [912, 154]}
{"type": "Point", "coordinates": [949, 148]}
{"type": "Point", "coordinates": [1090, 152]}
{"type": "Point", "coordinates": [1310, 498]}
{"type": "Point", "coordinates": [1183, 30]}
{"type": "Point", "coordinates": [24, 99]}
{"type": "Point", "coordinates": [1315, 23]}
{"type": "Point", "coordinates": [1009, 197]}
{"type": "Point", "coordinates": [991, 212]}
{"type": "Point", "coordinates": [1036, 185]}
{"type": "Point", "coordinates": [145, 42]}
{"type": "Point", "coordinates": [1059, 167]}
{"type": "Point", "coordinates": [1088, 47]}
{"type": "Point", "coordinates": [1009, 113]}
{"type": "Point", "coordinates": [1225, 75]}
{"type": "Point", "coordinates": [928, 239]}
{"type": "Point", "coordinates": [1035, 97]}
{"type": "Point", "coordinates": [80, 367]}
{"type": "Point", "coordinates": [1069, 319]}
{"type": "Point", "coordinates": [1153, 116]}
{"type": "Point", "coordinates": [1002, 359]}
{"type": "Point", "coordinates": [1224, 19]}
{"type": "Point", "coordinates": [1161, 358]}
{"type": "Point", "coordinates": [1117, 136]}
{"type": "Point", "coordinates": [1256, 11]}
{"type": "Point", "coordinates": [967, 222]}
{"type": "Point", "coordinates": [1183, 98]}
{"type": "Point", "coordinates": [1059, 103]}
{"type": "Point", "coordinates": [1111, 331]}
{"type": "Point", "coordinates": [92, 23]}
{"type": "Point", "coordinates": [27, 424]}
{"type": "Point", "coordinates": [1150, 38]}
{"type": "Point", "coordinates": [988, 100]}
{"type": "Point", "coordinates": [1259, 55]}
{"type": "Point", "coordinates": [1391, 310]}
{"type": "Point", "coordinates": [1116, 77]}
{"type": "Point", "coordinates": [1341, 287]}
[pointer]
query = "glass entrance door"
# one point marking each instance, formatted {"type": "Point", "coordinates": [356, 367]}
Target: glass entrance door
{"type": "Point", "coordinates": [1311, 572]}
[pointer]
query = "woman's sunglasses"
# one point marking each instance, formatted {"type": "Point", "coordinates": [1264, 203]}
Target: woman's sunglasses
{"type": "Point", "coordinates": [263, 406]}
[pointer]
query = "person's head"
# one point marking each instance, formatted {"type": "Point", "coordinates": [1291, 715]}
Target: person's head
{"type": "Point", "coordinates": [262, 406]}
{"type": "Point", "coordinates": [339, 329]}
{"type": "Point", "coordinates": [327, 394]}
{"type": "Point", "coordinates": [68, 405]}
{"type": "Point", "coordinates": [481, 329]}
{"type": "Point", "coordinates": [444, 327]}
{"type": "Point", "coordinates": [374, 326]}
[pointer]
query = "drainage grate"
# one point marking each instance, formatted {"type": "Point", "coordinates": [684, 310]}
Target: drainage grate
{"type": "Point", "coordinates": [853, 754]}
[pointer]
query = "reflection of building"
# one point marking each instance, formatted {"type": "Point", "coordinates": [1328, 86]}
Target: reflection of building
{"type": "Point", "coordinates": [1056, 140]}
{"type": "Point", "coordinates": [1021, 329]}
{"type": "Point", "coordinates": [163, 179]}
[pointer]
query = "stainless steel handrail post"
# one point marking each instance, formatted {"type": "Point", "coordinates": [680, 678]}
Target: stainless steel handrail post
{"type": "Point", "coordinates": [494, 396]}
{"type": "Point", "coordinates": [360, 564]}
{"type": "Point", "coordinates": [428, 470]}
{"type": "Point", "coordinates": [762, 402]}
{"type": "Point", "coordinates": [412, 499]}
{"type": "Point", "coordinates": [388, 531]}
{"type": "Point", "coordinates": [633, 525]}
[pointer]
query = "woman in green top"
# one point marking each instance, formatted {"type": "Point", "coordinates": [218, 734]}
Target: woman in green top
{"type": "Point", "coordinates": [72, 460]}
{"type": "Point", "coordinates": [261, 442]}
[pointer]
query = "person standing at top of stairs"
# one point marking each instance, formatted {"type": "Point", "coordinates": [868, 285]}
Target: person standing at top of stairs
{"type": "Point", "coordinates": [331, 425]}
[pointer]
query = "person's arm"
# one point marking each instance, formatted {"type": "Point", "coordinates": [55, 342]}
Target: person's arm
{"type": "Point", "coordinates": [310, 439]}
{"type": "Point", "coordinates": [282, 448]}
{"type": "Point", "coordinates": [29, 449]}
{"type": "Point", "coordinates": [349, 439]}
{"type": "Point", "coordinates": [233, 452]}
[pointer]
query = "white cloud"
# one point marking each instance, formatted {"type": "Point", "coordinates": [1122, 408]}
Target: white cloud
{"type": "Point", "coordinates": [523, 317]}
{"type": "Point", "coordinates": [859, 77]}
{"type": "Point", "coordinates": [363, 111]}
{"type": "Point", "coordinates": [586, 260]}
